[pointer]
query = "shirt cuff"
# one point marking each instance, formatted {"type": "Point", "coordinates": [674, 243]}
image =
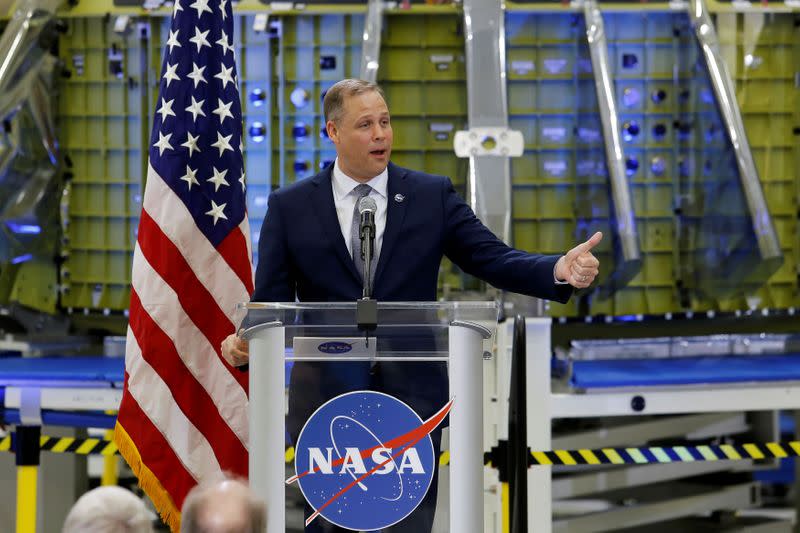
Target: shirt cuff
{"type": "Point", "coordinates": [555, 278]}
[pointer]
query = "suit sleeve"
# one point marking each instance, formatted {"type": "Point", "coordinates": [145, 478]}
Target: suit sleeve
{"type": "Point", "coordinates": [275, 280]}
{"type": "Point", "coordinates": [477, 251]}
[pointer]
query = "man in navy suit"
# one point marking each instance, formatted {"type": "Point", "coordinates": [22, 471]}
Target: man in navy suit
{"type": "Point", "coordinates": [306, 253]}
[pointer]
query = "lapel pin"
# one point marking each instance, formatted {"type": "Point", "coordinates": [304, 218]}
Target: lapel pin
{"type": "Point", "coordinates": [399, 198]}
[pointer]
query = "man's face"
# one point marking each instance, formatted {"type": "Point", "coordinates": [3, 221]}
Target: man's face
{"type": "Point", "coordinates": [363, 136]}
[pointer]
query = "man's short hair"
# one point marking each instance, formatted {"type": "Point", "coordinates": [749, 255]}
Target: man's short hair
{"type": "Point", "coordinates": [333, 103]}
{"type": "Point", "coordinates": [196, 504]}
{"type": "Point", "coordinates": [109, 509]}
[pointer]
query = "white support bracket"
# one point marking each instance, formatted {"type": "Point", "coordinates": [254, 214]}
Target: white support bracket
{"type": "Point", "coordinates": [501, 142]}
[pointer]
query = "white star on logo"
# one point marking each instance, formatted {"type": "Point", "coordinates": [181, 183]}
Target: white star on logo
{"type": "Point", "coordinates": [190, 177]}
{"type": "Point", "coordinates": [223, 143]}
{"type": "Point", "coordinates": [166, 109]}
{"type": "Point", "coordinates": [197, 74]}
{"type": "Point", "coordinates": [200, 38]}
{"type": "Point", "coordinates": [163, 143]}
{"type": "Point", "coordinates": [225, 76]}
{"type": "Point", "coordinates": [218, 179]}
{"type": "Point", "coordinates": [191, 143]}
{"type": "Point", "coordinates": [223, 110]}
{"type": "Point", "coordinates": [216, 212]}
{"type": "Point", "coordinates": [177, 8]}
{"type": "Point", "coordinates": [223, 42]}
{"type": "Point", "coordinates": [241, 180]}
{"type": "Point", "coordinates": [196, 109]}
{"type": "Point", "coordinates": [222, 8]}
{"type": "Point", "coordinates": [173, 40]}
{"type": "Point", "coordinates": [170, 75]}
{"type": "Point", "coordinates": [201, 6]}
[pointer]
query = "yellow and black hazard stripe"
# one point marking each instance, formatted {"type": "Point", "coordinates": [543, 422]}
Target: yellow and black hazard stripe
{"type": "Point", "coordinates": [599, 456]}
{"type": "Point", "coordinates": [667, 454]}
{"type": "Point", "coordinates": [88, 446]}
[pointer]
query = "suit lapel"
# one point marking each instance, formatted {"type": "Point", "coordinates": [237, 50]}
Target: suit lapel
{"type": "Point", "coordinates": [397, 189]}
{"type": "Point", "coordinates": [322, 198]}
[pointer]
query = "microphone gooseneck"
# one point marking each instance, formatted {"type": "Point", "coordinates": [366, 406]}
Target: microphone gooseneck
{"type": "Point", "coordinates": [366, 307]}
{"type": "Point", "coordinates": [366, 209]}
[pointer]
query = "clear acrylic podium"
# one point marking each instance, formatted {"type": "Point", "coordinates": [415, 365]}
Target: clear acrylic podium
{"type": "Point", "coordinates": [422, 353]}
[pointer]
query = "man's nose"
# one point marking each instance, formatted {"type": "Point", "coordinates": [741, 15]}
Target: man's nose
{"type": "Point", "coordinates": [378, 132]}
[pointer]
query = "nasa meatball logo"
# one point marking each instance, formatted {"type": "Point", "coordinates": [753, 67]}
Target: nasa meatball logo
{"type": "Point", "coordinates": [364, 460]}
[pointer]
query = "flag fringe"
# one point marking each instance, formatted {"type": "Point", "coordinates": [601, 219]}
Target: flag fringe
{"type": "Point", "coordinates": [147, 480]}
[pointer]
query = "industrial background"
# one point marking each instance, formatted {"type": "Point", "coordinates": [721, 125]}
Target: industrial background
{"type": "Point", "coordinates": [691, 172]}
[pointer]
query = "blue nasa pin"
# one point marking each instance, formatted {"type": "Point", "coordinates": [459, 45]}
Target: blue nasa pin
{"type": "Point", "coordinates": [399, 198]}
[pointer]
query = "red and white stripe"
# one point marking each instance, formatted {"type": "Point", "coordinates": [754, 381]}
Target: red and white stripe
{"type": "Point", "coordinates": [180, 393]}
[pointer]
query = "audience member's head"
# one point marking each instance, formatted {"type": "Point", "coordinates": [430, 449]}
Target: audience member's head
{"type": "Point", "coordinates": [109, 510]}
{"type": "Point", "coordinates": [227, 506]}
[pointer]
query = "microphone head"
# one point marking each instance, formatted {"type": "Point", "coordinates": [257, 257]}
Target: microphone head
{"type": "Point", "coordinates": [367, 204]}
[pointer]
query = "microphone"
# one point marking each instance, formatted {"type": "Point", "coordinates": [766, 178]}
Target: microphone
{"type": "Point", "coordinates": [366, 209]}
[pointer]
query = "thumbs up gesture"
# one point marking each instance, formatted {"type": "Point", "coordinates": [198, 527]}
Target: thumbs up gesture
{"type": "Point", "coordinates": [579, 267]}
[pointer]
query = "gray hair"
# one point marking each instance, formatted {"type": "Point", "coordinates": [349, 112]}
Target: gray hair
{"type": "Point", "coordinates": [197, 503]}
{"type": "Point", "coordinates": [109, 509]}
{"type": "Point", "coordinates": [333, 103]}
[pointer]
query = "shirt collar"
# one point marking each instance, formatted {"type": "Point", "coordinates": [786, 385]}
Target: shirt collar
{"type": "Point", "coordinates": [344, 184]}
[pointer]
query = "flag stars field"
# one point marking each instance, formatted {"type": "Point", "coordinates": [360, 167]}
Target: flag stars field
{"type": "Point", "coordinates": [183, 416]}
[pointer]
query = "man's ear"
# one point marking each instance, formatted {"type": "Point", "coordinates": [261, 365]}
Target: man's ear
{"type": "Point", "coordinates": [333, 132]}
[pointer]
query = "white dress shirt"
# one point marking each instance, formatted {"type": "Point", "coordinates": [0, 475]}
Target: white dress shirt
{"type": "Point", "coordinates": [345, 200]}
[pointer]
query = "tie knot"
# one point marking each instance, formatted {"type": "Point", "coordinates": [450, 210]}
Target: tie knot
{"type": "Point", "coordinates": [362, 190]}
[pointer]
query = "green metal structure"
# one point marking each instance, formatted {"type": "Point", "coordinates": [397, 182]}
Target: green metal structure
{"type": "Point", "coordinates": [677, 158]}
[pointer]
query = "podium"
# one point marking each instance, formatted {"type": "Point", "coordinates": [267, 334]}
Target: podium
{"type": "Point", "coordinates": [364, 409]}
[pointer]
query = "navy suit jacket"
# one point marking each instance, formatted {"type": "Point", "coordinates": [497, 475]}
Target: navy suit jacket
{"type": "Point", "coordinates": [303, 255]}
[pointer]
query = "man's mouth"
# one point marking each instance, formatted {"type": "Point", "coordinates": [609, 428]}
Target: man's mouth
{"type": "Point", "coordinates": [378, 153]}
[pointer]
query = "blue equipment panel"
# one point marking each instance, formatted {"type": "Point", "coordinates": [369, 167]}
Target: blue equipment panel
{"type": "Point", "coordinates": [19, 371]}
{"type": "Point", "coordinates": [685, 371]}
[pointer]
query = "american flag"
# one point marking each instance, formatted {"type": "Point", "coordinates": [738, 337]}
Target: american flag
{"type": "Point", "coordinates": [183, 417]}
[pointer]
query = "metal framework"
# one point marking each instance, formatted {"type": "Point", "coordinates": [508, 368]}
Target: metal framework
{"type": "Point", "coordinates": [725, 93]}
{"type": "Point", "coordinates": [371, 47]}
{"type": "Point", "coordinates": [544, 406]}
{"type": "Point", "coordinates": [489, 178]}
{"type": "Point", "coordinates": [631, 263]}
